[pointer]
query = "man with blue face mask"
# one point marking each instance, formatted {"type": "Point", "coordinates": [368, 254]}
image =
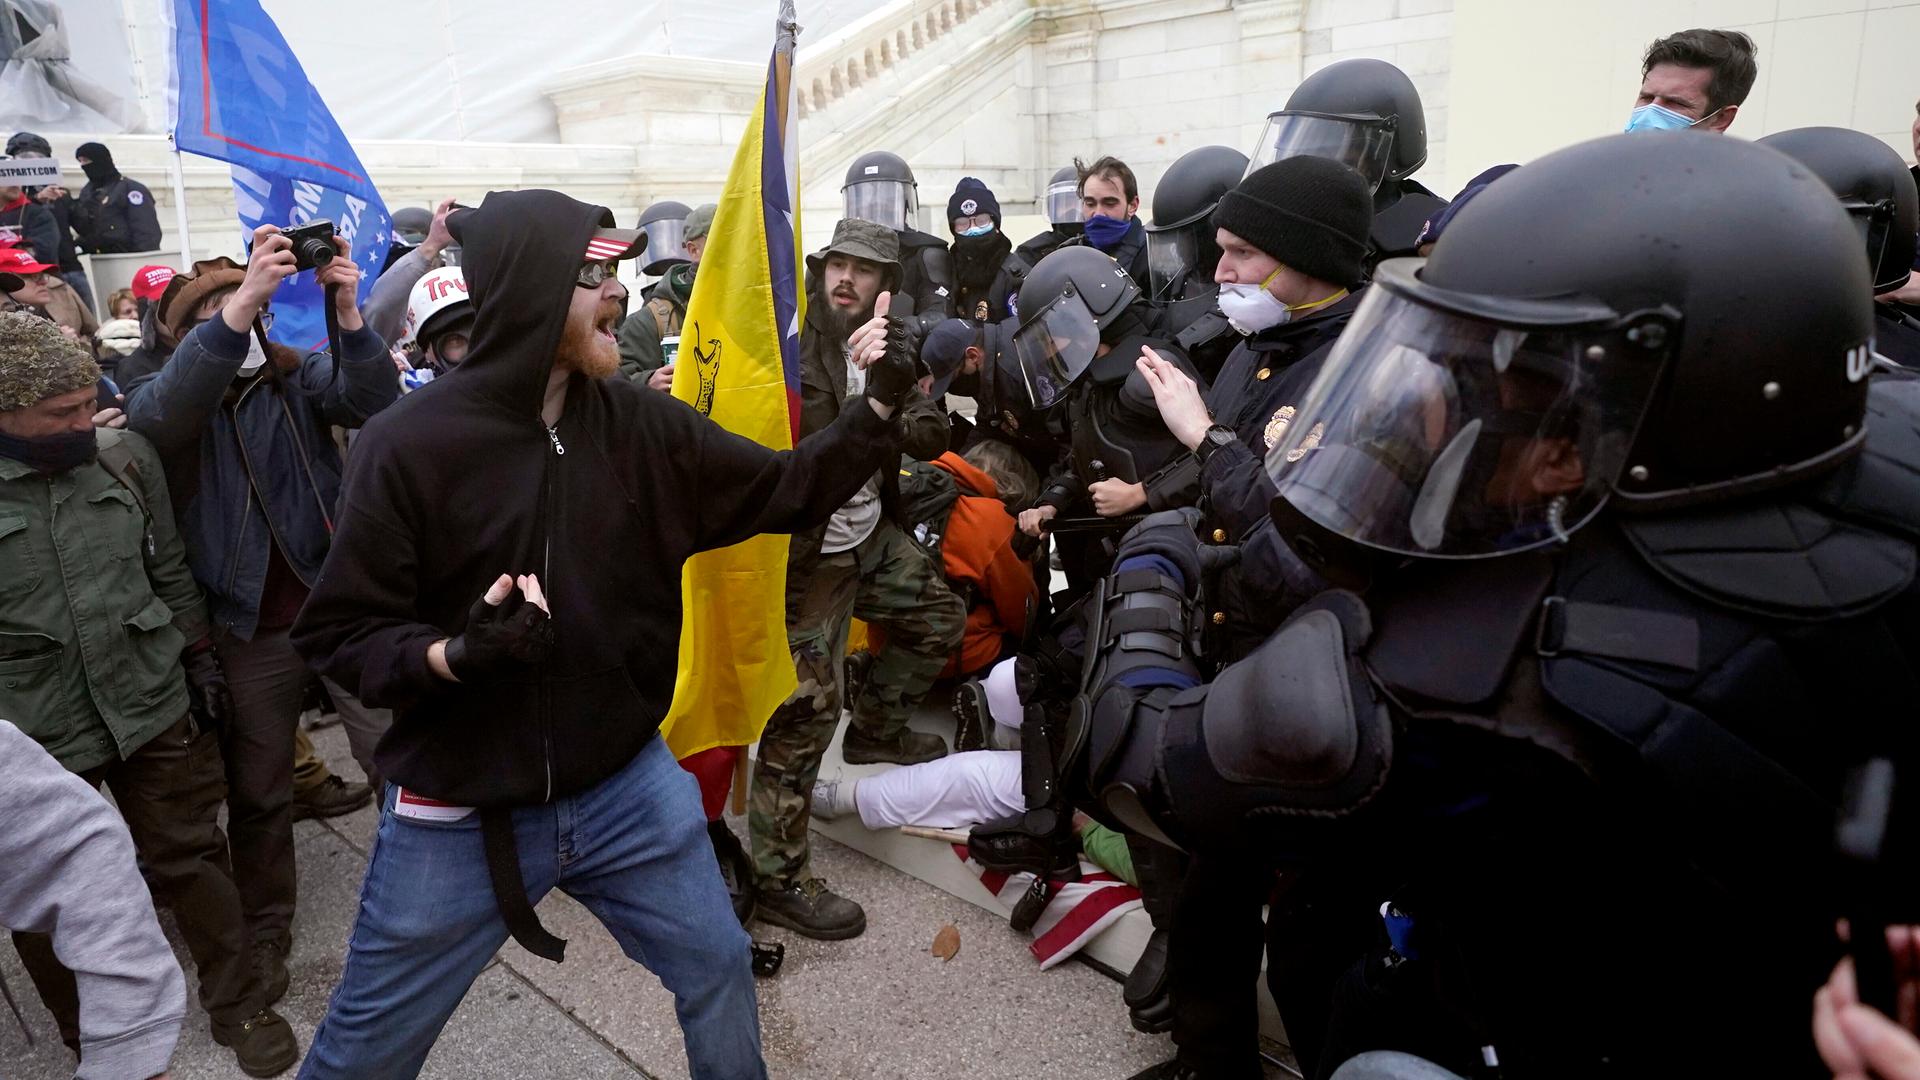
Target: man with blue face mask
{"type": "Point", "coordinates": [1694, 79]}
{"type": "Point", "coordinates": [1110, 199]}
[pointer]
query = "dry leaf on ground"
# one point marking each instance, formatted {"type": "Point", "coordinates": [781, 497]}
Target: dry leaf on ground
{"type": "Point", "coordinates": [946, 943]}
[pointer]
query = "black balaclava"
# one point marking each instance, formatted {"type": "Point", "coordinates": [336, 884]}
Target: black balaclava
{"type": "Point", "coordinates": [99, 167]}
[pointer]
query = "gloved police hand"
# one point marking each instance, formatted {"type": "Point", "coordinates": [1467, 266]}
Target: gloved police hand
{"type": "Point", "coordinates": [508, 625]}
{"type": "Point", "coordinates": [208, 695]}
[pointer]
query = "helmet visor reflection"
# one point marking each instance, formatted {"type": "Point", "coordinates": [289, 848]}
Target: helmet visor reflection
{"type": "Point", "coordinates": [883, 202]}
{"type": "Point", "coordinates": [1363, 144]}
{"type": "Point", "coordinates": [1054, 347]}
{"type": "Point", "coordinates": [1063, 203]}
{"type": "Point", "coordinates": [1172, 256]}
{"type": "Point", "coordinates": [1435, 434]}
{"type": "Point", "coordinates": [664, 240]}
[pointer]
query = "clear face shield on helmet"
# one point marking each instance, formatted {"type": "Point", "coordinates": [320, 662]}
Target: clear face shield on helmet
{"type": "Point", "coordinates": [1054, 347]}
{"type": "Point", "coordinates": [892, 203]}
{"type": "Point", "coordinates": [1063, 203]}
{"type": "Point", "coordinates": [1172, 257]}
{"type": "Point", "coordinates": [1362, 143]}
{"type": "Point", "coordinates": [664, 239]}
{"type": "Point", "coordinates": [1435, 433]}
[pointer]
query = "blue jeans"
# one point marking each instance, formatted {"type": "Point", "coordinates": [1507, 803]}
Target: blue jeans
{"type": "Point", "coordinates": [633, 850]}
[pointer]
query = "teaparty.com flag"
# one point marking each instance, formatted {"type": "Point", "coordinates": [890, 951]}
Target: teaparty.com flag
{"type": "Point", "coordinates": [240, 95]}
{"type": "Point", "coordinates": [739, 364]}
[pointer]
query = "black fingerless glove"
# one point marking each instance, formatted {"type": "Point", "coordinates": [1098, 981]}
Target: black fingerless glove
{"type": "Point", "coordinates": [890, 377]}
{"type": "Point", "coordinates": [514, 632]}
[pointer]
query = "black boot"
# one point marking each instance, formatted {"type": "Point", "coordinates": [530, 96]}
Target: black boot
{"type": "Point", "coordinates": [811, 909]}
{"type": "Point", "coordinates": [263, 1046]}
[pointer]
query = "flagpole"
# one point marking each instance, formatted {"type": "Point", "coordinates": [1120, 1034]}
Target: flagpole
{"type": "Point", "coordinates": [180, 204]}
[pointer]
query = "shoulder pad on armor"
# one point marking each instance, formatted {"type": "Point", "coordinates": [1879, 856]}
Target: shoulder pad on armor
{"type": "Point", "coordinates": [1881, 486]}
{"type": "Point", "coordinates": [1203, 329]}
{"type": "Point", "coordinates": [1297, 717]}
{"type": "Point", "coordinates": [1842, 547]}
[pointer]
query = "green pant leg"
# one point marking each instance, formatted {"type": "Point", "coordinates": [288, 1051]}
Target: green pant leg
{"type": "Point", "coordinates": [800, 730]}
{"type": "Point", "coordinates": [904, 592]}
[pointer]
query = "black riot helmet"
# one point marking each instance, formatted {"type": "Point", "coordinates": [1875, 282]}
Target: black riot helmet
{"type": "Point", "coordinates": [1875, 186]}
{"type": "Point", "coordinates": [880, 188]}
{"type": "Point", "coordinates": [665, 224]}
{"type": "Point", "coordinates": [1180, 243]}
{"type": "Point", "coordinates": [411, 224]}
{"type": "Point", "coordinates": [1700, 330]}
{"type": "Point", "coordinates": [1066, 301]}
{"type": "Point", "coordinates": [1063, 198]}
{"type": "Point", "coordinates": [1363, 113]}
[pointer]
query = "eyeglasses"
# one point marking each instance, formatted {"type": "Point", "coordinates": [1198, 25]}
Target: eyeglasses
{"type": "Point", "coordinates": [962, 224]}
{"type": "Point", "coordinates": [594, 274]}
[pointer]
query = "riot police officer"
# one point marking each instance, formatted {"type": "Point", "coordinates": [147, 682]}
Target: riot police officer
{"type": "Point", "coordinates": [1633, 537]}
{"type": "Point", "coordinates": [1065, 217]}
{"type": "Point", "coordinates": [880, 188]}
{"type": "Point", "coordinates": [665, 223]}
{"type": "Point", "coordinates": [1878, 191]}
{"type": "Point", "coordinates": [1084, 324]}
{"type": "Point", "coordinates": [1182, 254]}
{"type": "Point", "coordinates": [1367, 114]}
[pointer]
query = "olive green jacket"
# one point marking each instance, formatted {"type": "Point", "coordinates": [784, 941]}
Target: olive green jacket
{"type": "Point", "coordinates": [96, 604]}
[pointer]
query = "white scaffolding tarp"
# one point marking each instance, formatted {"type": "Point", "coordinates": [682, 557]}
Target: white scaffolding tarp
{"type": "Point", "coordinates": [459, 70]}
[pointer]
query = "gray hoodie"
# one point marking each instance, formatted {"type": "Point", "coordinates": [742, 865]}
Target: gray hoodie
{"type": "Point", "coordinates": [66, 868]}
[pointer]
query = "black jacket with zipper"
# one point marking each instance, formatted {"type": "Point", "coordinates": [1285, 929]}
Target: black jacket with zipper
{"type": "Point", "coordinates": [462, 481]}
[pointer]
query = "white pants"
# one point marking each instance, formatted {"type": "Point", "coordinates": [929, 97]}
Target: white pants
{"type": "Point", "coordinates": [956, 791]}
{"type": "Point", "coordinates": [1003, 702]}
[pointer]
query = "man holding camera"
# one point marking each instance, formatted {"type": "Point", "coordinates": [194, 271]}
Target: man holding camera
{"type": "Point", "coordinates": [242, 428]}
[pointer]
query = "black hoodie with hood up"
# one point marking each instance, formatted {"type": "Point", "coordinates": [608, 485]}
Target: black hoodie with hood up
{"type": "Point", "coordinates": [461, 481]}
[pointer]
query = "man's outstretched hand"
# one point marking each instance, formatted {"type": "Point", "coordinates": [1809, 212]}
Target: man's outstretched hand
{"type": "Point", "coordinates": [502, 629]}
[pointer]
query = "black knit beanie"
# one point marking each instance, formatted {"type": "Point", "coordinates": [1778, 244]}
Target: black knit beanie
{"type": "Point", "coordinates": [1311, 213]}
{"type": "Point", "coordinates": [972, 190]}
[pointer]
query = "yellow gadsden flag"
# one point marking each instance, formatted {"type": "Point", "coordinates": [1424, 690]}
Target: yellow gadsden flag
{"type": "Point", "coordinates": [739, 363]}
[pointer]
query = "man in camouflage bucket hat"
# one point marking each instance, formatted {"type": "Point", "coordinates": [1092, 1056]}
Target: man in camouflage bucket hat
{"type": "Point", "coordinates": [862, 563]}
{"type": "Point", "coordinates": [133, 709]}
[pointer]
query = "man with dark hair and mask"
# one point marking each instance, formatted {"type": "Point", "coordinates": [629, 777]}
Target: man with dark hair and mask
{"type": "Point", "coordinates": [104, 639]}
{"type": "Point", "coordinates": [1367, 115]}
{"type": "Point", "coordinates": [1110, 209]}
{"type": "Point", "coordinates": [1624, 535]}
{"type": "Point", "coordinates": [244, 428]}
{"type": "Point", "coordinates": [523, 665]}
{"type": "Point", "coordinates": [984, 276]}
{"type": "Point", "coordinates": [113, 213]}
{"type": "Point", "coordinates": [1694, 79]}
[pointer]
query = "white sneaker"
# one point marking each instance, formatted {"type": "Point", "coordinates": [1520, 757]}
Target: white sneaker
{"type": "Point", "coordinates": [826, 803]}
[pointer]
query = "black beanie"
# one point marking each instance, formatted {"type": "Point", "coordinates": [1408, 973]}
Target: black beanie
{"type": "Point", "coordinates": [972, 190]}
{"type": "Point", "coordinates": [1311, 213]}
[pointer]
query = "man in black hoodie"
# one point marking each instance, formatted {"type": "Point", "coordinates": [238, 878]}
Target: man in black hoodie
{"type": "Point", "coordinates": [525, 750]}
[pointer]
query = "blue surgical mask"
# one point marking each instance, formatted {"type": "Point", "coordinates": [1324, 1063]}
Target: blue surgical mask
{"type": "Point", "coordinates": [1104, 232]}
{"type": "Point", "coordinates": [977, 230]}
{"type": "Point", "coordinates": [1652, 117]}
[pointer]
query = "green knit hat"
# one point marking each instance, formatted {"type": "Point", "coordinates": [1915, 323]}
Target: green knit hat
{"type": "Point", "coordinates": [37, 361]}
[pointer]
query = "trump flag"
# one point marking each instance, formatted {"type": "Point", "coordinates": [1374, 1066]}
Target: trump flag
{"type": "Point", "coordinates": [240, 95]}
{"type": "Point", "coordinates": [739, 364]}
